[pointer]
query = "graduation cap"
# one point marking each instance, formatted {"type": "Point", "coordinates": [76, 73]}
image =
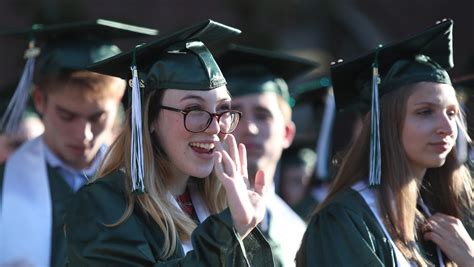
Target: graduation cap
{"type": "Point", "coordinates": [423, 57]}
{"type": "Point", "coordinates": [250, 70]}
{"type": "Point", "coordinates": [312, 90]}
{"type": "Point", "coordinates": [179, 60]}
{"type": "Point", "coordinates": [70, 46]}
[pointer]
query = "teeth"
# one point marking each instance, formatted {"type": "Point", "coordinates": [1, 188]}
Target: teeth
{"type": "Point", "coordinates": [207, 146]}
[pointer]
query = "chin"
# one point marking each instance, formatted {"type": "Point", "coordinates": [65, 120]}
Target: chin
{"type": "Point", "coordinates": [202, 173]}
{"type": "Point", "coordinates": [438, 163]}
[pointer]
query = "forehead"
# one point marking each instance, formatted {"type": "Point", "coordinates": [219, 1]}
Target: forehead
{"type": "Point", "coordinates": [267, 100]}
{"type": "Point", "coordinates": [209, 96]}
{"type": "Point", "coordinates": [435, 93]}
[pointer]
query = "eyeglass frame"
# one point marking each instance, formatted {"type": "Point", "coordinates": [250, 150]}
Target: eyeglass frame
{"type": "Point", "coordinates": [211, 115]}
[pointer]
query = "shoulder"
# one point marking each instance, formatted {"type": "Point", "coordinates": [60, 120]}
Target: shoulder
{"type": "Point", "coordinates": [111, 184]}
{"type": "Point", "coordinates": [346, 208]}
{"type": "Point", "coordinates": [349, 200]}
{"type": "Point", "coordinates": [348, 231]}
{"type": "Point", "coordinates": [104, 198]}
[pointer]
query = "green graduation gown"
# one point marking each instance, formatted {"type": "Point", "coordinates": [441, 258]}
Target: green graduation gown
{"type": "Point", "coordinates": [61, 194]}
{"type": "Point", "coordinates": [305, 207]}
{"type": "Point", "coordinates": [138, 240]}
{"type": "Point", "coordinates": [345, 233]}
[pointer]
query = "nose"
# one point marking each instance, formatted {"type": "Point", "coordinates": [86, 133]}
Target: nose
{"type": "Point", "coordinates": [249, 126]}
{"type": "Point", "coordinates": [84, 130]}
{"type": "Point", "coordinates": [447, 125]}
{"type": "Point", "coordinates": [214, 127]}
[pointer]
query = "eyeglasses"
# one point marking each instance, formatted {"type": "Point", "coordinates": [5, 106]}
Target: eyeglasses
{"type": "Point", "coordinates": [198, 120]}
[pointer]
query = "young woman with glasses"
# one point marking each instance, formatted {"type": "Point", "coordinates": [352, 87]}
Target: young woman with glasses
{"type": "Point", "coordinates": [196, 207]}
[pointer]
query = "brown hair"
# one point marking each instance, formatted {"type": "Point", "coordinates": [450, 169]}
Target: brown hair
{"type": "Point", "coordinates": [93, 84]}
{"type": "Point", "coordinates": [449, 186]}
{"type": "Point", "coordinates": [155, 202]}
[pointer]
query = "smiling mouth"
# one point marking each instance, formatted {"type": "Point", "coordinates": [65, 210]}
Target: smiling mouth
{"type": "Point", "coordinates": [202, 147]}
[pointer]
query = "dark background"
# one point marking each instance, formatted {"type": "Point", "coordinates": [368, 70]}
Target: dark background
{"type": "Point", "coordinates": [320, 29]}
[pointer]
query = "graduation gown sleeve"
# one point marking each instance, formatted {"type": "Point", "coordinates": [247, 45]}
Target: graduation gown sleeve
{"type": "Point", "coordinates": [137, 241]}
{"type": "Point", "coordinates": [345, 233]}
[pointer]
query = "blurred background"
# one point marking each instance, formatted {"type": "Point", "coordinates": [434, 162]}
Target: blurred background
{"type": "Point", "coordinates": [324, 30]}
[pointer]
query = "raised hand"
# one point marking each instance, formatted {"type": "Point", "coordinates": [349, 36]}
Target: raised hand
{"type": "Point", "coordinates": [246, 202]}
{"type": "Point", "coordinates": [451, 237]}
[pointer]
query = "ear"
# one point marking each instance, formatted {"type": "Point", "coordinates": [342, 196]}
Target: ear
{"type": "Point", "coordinates": [38, 99]}
{"type": "Point", "coordinates": [290, 131]}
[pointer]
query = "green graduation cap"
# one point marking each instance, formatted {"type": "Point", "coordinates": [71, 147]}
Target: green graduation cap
{"type": "Point", "coordinates": [180, 60]}
{"type": "Point", "coordinates": [63, 47]}
{"type": "Point", "coordinates": [313, 90]}
{"type": "Point", "coordinates": [75, 45]}
{"type": "Point", "coordinates": [423, 57]}
{"type": "Point", "coordinates": [250, 70]}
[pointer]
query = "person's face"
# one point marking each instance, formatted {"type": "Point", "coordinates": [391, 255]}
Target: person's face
{"type": "Point", "coordinates": [75, 125]}
{"type": "Point", "coordinates": [30, 127]}
{"type": "Point", "coordinates": [263, 129]}
{"type": "Point", "coordinates": [293, 183]}
{"type": "Point", "coordinates": [429, 130]}
{"type": "Point", "coordinates": [190, 154]}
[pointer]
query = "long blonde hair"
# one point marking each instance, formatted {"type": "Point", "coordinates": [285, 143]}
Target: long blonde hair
{"type": "Point", "coordinates": [447, 189]}
{"type": "Point", "coordinates": [155, 202]}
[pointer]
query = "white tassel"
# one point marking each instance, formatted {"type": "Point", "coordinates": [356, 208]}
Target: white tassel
{"type": "Point", "coordinates": [375, 156]}
{"type": "Point", "coordinates": [137, 143]}
{"type": "Point", "coordinates": [13, 115]}
{"type": "Point", "coordinates": [324, 138]}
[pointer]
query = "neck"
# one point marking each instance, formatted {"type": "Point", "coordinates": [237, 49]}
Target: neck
{"type": "Point", "coordinates": [419, 173]}
{"type": "Point", "coordinates": [177, 184]}
{"type": "Point", "coordinates": [74, 165]}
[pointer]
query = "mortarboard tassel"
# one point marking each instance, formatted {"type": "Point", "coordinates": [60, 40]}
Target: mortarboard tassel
{"type": "Point", "coordinates": [324, 138]}
{"type": "Point", "coordinates": [12, 117]}
{"type": "Point", "coordinates": [375, 166]}
{"type": "Point", "coordinates": [137, 144]}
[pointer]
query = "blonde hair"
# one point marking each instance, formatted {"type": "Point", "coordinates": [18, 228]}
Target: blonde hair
{"type": "Point", "coordinates": [285, 108]}
{"type": "Point", "coordinates": [155, 202]}
{"type": "Point", "coordinates": [449, 185]}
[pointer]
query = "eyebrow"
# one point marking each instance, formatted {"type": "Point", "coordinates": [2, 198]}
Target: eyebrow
{"type": "Point", "coordinates": [192, 97]}
{"type": "Point", "coordinates": [72, 113]}
{"type": "Point", "coordinates": [199, 98]}
{"type": "Point", "coordinates": [430, 103]}
{"type": "Point", "coordinates": [61, 109]}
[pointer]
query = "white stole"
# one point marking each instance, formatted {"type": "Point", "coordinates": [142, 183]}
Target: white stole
{"type": "Point", "coordinates": [200, 207]}
{"type": "Point", "coordinates": [285, 227]}
{"type": "Point", "coordinates": [369, 197]}
{"type": "Point", "coordinates": [26, 214]}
